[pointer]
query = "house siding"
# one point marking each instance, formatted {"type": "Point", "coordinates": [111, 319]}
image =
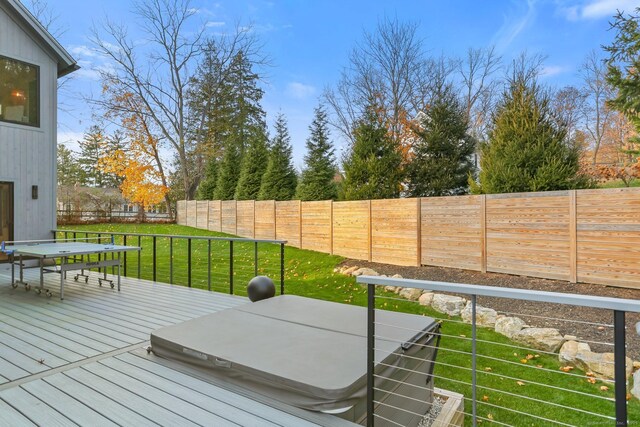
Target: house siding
{"type": "Point", "coordinates": [27, 154]}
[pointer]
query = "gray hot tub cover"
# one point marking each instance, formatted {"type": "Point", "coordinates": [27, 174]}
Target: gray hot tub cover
{"type": "Point", "coordinates": [302, 351]}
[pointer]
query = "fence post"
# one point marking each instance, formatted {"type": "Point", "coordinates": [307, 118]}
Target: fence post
{"type": "Point", "coordinates": [331, 227]}
{"type": "Point", "coordinates": [573, 237]}
{"type": "Point", "coordinates": [483, 233]}
{"type": "Point", "coordinates": [419, 231]}
{"type": "Point", "coordinates": [154, 258]}
{"type": "Point", "coordinates": [189, 262]}
{"type": "Point", "coordinates": [370, 236]}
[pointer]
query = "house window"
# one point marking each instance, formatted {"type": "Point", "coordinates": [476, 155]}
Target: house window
{"type": "Point", "coordinates": [19, 92]}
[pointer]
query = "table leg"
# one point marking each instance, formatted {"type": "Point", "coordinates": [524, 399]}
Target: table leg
{"type": "Point", "coordinates": [41, 273]}
{"type": "Point", "coordinates": [12, 259]}
{"type": "Point", "coordinates": [63, 262]}
{"type": "Point", "coordinates": [118, 271]}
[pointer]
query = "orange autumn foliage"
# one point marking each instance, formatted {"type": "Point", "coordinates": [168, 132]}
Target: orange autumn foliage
{"type": "Point", "coordinates": [143, 183]}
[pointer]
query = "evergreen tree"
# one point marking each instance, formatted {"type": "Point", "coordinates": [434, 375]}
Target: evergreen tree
{"type": "Point", "coordinates": [207, 187]}
{"type": "Point", "coordinates": [442, 160]}
{"type": "Point", "coordinates": [92, 149]}
{"type": "Point", "coordinates": [113, 143]}
{"type": "Point", "coordinates": [228, 173]}
{"type": "Point", "coordinates": [527, 148]}
{"type": "Point", "coordinates": [254, 165]}
{"type": "Point", "coordinates": [319, 171]}
{"type": "Point", "coordinates": [68, 170]}
{"type": "Point", "coordinates": [279, 181]}
{"type": "Point", "coordinates": [622, 70]}
{"type": "Point", "coordinates": [372, 169]}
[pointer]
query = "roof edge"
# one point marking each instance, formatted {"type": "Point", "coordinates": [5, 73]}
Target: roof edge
{"type": "Point", "coordinates": [66, 63]}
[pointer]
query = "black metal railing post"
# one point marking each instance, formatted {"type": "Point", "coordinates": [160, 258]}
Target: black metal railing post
{"type": "Point", "coordinates": [620, 374]}
{"type": "Point", "coordinates": [474, 379]}
{"type": "Point", "coordinates": [154, 258]}
{"type": "Point", "coordinates": [209, 264]}
{"type": "Point", "coordinates": [124, 261]}
{"type": "Point", "coordinates": [371, 330]}
{"type": "Point", "coordinates": [139, 254]}
{"type": "Point", "coordinates": [255, 258]}
{"type": "Point", "coordinates": [281, 268]}
{"type": "Point", "coordinates": [171, 260]}
{"type": "Point", "coordinates": [231, 267]}
{"type": "Point", "coordinates": [189, 262]}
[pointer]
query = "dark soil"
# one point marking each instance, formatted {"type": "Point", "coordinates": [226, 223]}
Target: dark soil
{"type": "Point", "coordinates": [565, 318]}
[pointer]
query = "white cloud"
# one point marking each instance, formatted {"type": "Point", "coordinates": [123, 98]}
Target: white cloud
{"type": "Point", "coordinates": [553, 70]}
{"type": "Point", "coordinates": [83, 51]}
{"type": "Point", "coordinates": [514, 25]}
{"type": "Point", "coordinates": [215, 24]}
{"type": "Point", "coordinates": [597, 9]}
{"type": "Point", "coordinates": [299, 90]}
{"type": "Point", "coordinates": [70, 139]}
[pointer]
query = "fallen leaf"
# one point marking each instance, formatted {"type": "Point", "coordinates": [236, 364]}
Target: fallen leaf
{"type": "Point", "coordinates": [591, 380]}
{"type": "Point", "coordinates": [590, 374]}
{"type": "Point", "coordinates": [539, 366]}
{"type": "Point", "coordinates": [524, 360]}
{"type": "Point", "coordinates": [520, 383]}
{"type": "Point", "coordinates": [515, 354]}
{"type": "Point", "coordinates": [530, 356]}
{"type": "Point", "coordinates": [604, 388]}
{"type": "Point", "coordinates": [463, 335]}
{"type": "Point", "coordinates": [489, 416]}
{"type": "Point", "coordinates": [485, 398]}
{"type": "Point", "coordinates": [566, 368]}
{"type": "Point", "coordinates": [488, 369]}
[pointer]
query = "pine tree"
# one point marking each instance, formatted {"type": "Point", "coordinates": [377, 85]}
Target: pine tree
{"type": "Point", "coordinates": [372, 169]}
{"type": "Point", "coordinates": [442, 162]}
{"type": "Point", "coordinates": [527, 148]}
{"type": "Point", "coordinates": [279, 181]}
{"type": "Point", "coordinates": [68, 170]}
{"type": "Point", "coordinates": [228, 173]}
{"type": "Point", "coordinates": [207, 186]}
{"type": "Point", "coordinates": [91, 151]}
{"type": "Point", "coordinates": [254, 165]}
{"type": "Point", "coordinates": [317, 181]}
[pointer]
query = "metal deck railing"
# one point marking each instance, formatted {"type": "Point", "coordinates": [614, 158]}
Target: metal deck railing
{"type": "Point", "coordinates": [507, 382]}
{"type": "Point", "coordinates": [206, 262]}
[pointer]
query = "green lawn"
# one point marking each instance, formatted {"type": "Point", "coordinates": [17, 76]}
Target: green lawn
{"type": "Point", "coordinates": [502, 382]}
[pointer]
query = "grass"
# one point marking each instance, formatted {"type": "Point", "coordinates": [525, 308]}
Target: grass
{"type": "Point", "coordinates": [617, 183]}
{"type": "Point", "coordinates": [506, 375]}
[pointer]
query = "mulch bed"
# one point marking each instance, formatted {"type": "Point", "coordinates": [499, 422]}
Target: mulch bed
{"type": "Point", "coordinates": [535, 313]}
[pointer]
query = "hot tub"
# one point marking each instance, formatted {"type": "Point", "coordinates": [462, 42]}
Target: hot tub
{"type": "Point", "coordinates": [312, 354]}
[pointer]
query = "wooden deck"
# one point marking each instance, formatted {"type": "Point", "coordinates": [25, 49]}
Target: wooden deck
{"type": "Point", "coordinates": [82, 361]}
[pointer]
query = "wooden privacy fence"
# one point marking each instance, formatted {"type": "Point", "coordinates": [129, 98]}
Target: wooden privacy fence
{"type": "Point", "coordinates": [588, 236]}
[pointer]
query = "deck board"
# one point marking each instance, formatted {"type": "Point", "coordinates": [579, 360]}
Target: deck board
{"type": "Point", "coordinates": [71, 362]}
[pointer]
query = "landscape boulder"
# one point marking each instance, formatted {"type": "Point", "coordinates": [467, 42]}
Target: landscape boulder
{"type": "Point", "coordinates": [448, 304]}
{"type": "Point", "coordinates": [484, 316]}
{"type": "Point", "coordinates": [426, 298]}
{"type": "Point", "coordinates": [365, 271]}
{"type": "Point", "coordinates": [396, 276]}
{"type": "Point", "coordinates": [412, 294]}
{"type": "Point", "coordinates": [636, 385]}
{"type": "Point", "coordinates": [350, 270]}
{"type": "Point", "coordinates": [390, 288]}
{"type": "Point", "coordinates": [570, 349]}
{"type": "Point", "coordinates": [601, 364]}
{"type": "Point", "coordinates": [508, 326]}
{"type": "Point", "coordinates": [546, 339]}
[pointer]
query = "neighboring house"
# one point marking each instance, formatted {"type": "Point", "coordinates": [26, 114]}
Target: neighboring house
{"type": "Point", "coordinates": [31, 61]}
{"type": "Point", "coordinates": [92, 203]}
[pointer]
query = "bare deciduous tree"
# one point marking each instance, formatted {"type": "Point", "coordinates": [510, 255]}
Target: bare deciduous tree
{"type": "Point", "coordinates": [596, 113]}
{"type": "Point", "coordinates": [387, 67]}
{"type": "Point", "coordinates": [477, 71]}
{"type": "Point", "coordinates": [157, 72]}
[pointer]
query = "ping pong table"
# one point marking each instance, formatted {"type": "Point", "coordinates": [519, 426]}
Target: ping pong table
{"type": "Point", "coordinates": [71, 256]}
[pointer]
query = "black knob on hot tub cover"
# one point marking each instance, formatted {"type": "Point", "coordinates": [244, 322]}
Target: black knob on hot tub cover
{"type": "Point", "coordinates": [260, 287]}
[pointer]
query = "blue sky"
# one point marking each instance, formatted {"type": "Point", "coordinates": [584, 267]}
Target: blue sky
{"type": "Point", "coordinates": [309, 42]}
